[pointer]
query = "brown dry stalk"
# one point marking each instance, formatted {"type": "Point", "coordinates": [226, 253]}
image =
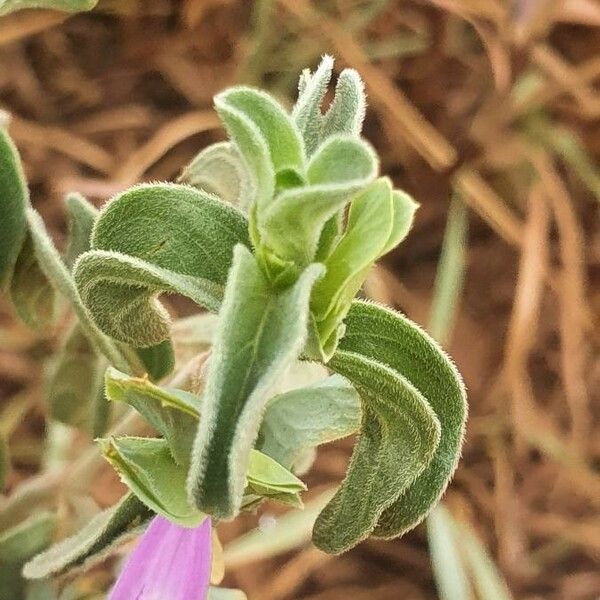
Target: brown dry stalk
{"type": "Point", "coordinates": [168, 136]}
{"type": "Point", "coordinates": [572, 298]}
{"type": "Point", "coordinates": [75, 147]}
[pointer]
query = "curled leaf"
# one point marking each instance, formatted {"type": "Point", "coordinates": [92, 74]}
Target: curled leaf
{"type": "Point", "coordinates": [153, 239]}
{"type": "Point", "coordinates": [383, 336]}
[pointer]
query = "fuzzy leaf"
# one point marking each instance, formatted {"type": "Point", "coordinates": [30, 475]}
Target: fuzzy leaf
{"type": "Point", "coordinates": [404, 212]}
{"type": "Point", "coordinates": [304, 418]}
{"type": "Point", "coordinates": [31, 293]}
{"type": "Point", "coordinates": [347, 111]}
{"type": "Point", "coordinates": [91, 544]}
{"type": "Point", "coordinates": [219, 170]}
{"type": "Point", "coordinates": [261, 331]}
{"type": "Point", "coordinates": [19, 544]}
{"type": "Point", "coordinates": [267, 478]}
{"type": "Point", "coordinates": [8, 6]}
{"type": "Point", "coordinates": [14, 198]}
{"type": "Point", "coordinates": [173, 413]}
{"type": "Point", "coordinates": [398, 437]}
{"type": "Point", "coordinates": [339, 168]}
{"type": "Point", "coordinates": [81, 216]}
{"type": "Point", "coordinates": [253, 148]}
{"type": "Point", "coordinates": [369, 227]}
{"type": "Point", "coordinates": [283, 140]}
{"type": "Point", "coordinates": [307, 111]}
{"type": "Point", "coordinates": [391, 339]}
{"type": "Point", "coordinates": [57, 273]}
{"type": "Point", "coordinates": [74, 380]}
{"type": "Point", "coordinates": [152, 239]}
{"type": "Point", "coordinates": [148, 469]}
{"type": "Point", "coordinates": [158, 360]}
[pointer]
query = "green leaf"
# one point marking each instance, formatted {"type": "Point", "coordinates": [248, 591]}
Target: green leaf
{"type": "Point", "coordinates": [57, 273]}
{"type": "Point", "coordinates": [253, 148]}
{"type": "Point", "coordinates": [14, 198]}
{"type": "Point", "coordinates": [31, 293]}
{"type": "Point", "coordinates": [173, 413]}
{"type": "Point", "coordinates": [301, 419]}
{"type": "Point", "coordinates": [94, 542]}
{"type": "Point", "coordinates": [261, 331]}
{"type": "Point", "coordinates": [347, 111]}
{"type": "Point", "coordinates": [283, 140]}
{"type": "Point", "coordinates": [292, 226]}
{"type": "Point", "coordinates": [391, 339]}
{"type": "Point", "coordinates": [158, 360]}
{"type": "Point", "coordinates": [398, 437]}
{"type": "Point", "coordinates": [19, 544]}
{"type": "Point", "coordinates": [75, 378]}
{"type": "Point", "coordinates": [404, 208]}
{"type": "Point", "coordinates": [267, 478]}
{"type": "Point", "coordinates": [307, 110]}
{"type": "Point", "coordinates": [148, 469]}
{"type": "Point", "coordinates": [219, 170]}
{"type": "Point", "coordinates": [368, 230]}
{"type": "Point", "coordinates": [152, 239]}
{"type": "Point", "coordinates": [81, 216]}
{"type": "Point", "coordinates": [7, 6]}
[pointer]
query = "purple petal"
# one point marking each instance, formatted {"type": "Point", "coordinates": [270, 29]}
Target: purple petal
{"type": "Point", "coordinates": [169, 562]}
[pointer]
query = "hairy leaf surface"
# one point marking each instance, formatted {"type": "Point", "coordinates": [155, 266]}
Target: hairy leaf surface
{"type": "Point", "coordinates": [219, 170]}
{"type": "Point", "coordinates": [152, 239]}
{"type": "Point", "coordinates": [292, 226]}
{"type": "Point", "coordinates": [304, 418]}
{"type": "Point", "coordinates": [261, 331]}
{"type": "Point", "coordinates": [104, 532]}
{"type": "Point", "coordinates": [394, 341]}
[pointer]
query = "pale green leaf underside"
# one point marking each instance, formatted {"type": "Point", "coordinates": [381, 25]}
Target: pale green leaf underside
{"type": "Point", "coordinates": [387, 337]}
{"type": "Point", "coordinates": [147, 467]}
{"type": "Point", "coordinates": [8, 6]}
{"type": "Point", "coordinates": [260, 333]}
{"type": "Point", "coordinates": [104, 532]}
{"type": "Point", "coordinates": [301, 419]}
{"type": "Point", "coordinates": [219, 170]}
{"type": "Point", "coordinates": [173, 413]}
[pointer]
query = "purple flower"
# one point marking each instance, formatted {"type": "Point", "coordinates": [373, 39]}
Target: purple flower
{"type": "Point", "coordinates": [169, 562]}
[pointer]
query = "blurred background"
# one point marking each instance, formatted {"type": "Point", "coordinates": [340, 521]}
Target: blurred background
{"type": "Point", "coordinates": [488, 113]}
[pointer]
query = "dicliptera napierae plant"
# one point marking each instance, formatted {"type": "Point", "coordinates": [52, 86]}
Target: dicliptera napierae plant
{"type": "Point", "coordinates": [274, 231]}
